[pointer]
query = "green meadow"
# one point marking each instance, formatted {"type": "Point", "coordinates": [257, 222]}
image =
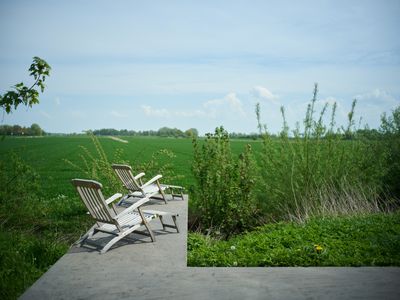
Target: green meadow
{"type": "Point", "coordinates": [275, 201]}
{"type": "Point", "coordinates": [47, 156]}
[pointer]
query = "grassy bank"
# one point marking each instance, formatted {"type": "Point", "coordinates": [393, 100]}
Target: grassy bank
{"type": "Point", "coordinates": [24, 257]}
{"type": "Point", "coordinates": [368, 240]}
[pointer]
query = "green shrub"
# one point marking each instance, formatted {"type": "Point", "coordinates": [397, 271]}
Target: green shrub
{"type": "Point", "coordinates": [223, 197]}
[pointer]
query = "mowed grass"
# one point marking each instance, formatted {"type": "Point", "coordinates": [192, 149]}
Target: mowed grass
{"type": "Point", "coordinates": [47, 154]}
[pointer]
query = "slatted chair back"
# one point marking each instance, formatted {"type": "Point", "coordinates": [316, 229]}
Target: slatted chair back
{"type": "Point", "coordinates": [124, 172]}
{"type": "Point", "coordinates": [91, 195]}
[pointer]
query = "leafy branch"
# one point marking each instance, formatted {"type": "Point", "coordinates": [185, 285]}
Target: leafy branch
{"type": "Point", "coordinates": [22, 94]}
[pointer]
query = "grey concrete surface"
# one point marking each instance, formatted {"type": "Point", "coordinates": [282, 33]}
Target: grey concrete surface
{"type": "Point", "coordinates": [144, 270]}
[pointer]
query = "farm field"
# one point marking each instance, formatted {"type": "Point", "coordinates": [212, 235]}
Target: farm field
{"type": "Point", "coordinates": [47, 154]}
{"type": "Point", "coordinates": [48, 215]}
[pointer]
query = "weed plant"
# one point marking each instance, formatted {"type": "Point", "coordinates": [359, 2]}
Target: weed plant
{"type": "Point", "coordinates": [97, 165]}
{"type": "Point", "coordinates": [390, 133]}
{"type": "Point", "coordinates": [323, 165]}
{"type": "Point", "coordinates": [360, 240]}
{"type": "Point", "coordinates": [319, 170]}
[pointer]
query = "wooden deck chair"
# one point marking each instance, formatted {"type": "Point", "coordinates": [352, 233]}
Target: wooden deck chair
{"type": "Point", "coordinates": [151, 188]}
{"type": "Point", "coordinates": [107, 219]}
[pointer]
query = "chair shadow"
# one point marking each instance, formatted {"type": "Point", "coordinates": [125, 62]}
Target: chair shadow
{"type": "Point", "coordinates": [95, 245]}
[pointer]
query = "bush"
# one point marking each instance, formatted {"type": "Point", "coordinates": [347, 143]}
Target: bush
{"type": "Point", "coordinates": [223, 197]}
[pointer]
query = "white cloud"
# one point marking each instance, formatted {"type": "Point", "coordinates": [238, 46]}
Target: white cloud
{"type": "Point", "coordinates": [378, 97]}
{"type": "Point", "coordinates": [230, 103]}
{"type": "Point", "coordinates": [263, 93]}
{"type": "Point", "coordinates": [166, 113]}
{"type": "Point", "coordinates": [57, 101]}
{"type": "Point", "coordinates": [117, 114]}
{"type": "Point", "coordinates": [154, 112]}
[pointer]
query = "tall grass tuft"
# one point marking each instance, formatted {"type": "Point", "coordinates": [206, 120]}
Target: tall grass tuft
{"type": "Point", "coordinates": [390, 131]}
{"type": "Point", "coordinates": [97, 165]}
{"type": "Point", "coordinates": [298, 170]}
{"type": "Point", "coordinates": [331, 200]}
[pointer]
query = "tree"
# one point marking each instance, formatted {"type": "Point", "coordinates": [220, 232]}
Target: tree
{"type": "Point", "coordinates": [192, 132]}
{"type": "Point", "coordinates": [22, 94]}
{"type": "Point", "coordinates": [36, 130]}
{"type": "Point", "coordinates": [17, 130]}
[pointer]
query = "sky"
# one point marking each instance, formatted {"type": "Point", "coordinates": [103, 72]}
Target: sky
{"type": "Point", "coordinates": [142, 65]}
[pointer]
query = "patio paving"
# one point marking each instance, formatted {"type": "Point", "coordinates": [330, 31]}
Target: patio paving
{"type": "Point", "coordinates": [139, 269]}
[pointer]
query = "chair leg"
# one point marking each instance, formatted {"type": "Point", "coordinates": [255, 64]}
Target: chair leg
{"type": "Point", "coordinates": [161, 192]}
{"type": "Point", "coordinates": [146, 224]}
{"type": "Point", "coordinates": [110, 243]}
{"type": "Point", "coordinates": [176, 225]}
{"type": "Point", "coordinates": [162, 223]}
{"type": "Point", "coordinates": [163, 196]}
{"type": "Point", "coordinates": [87, 235]}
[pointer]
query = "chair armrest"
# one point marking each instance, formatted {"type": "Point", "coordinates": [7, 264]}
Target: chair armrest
{"type": "Point", "coordinates": [139, 175]}
{"type": "Point", "coordinates": [113, 198]}
{"type": "Point", "coordinates": [132, 207]}
{"type": "Point", "coordinates": [155, 178]}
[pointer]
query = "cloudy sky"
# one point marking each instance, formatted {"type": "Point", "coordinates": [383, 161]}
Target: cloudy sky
{"type": "Point", "coordinates": [146, 64]}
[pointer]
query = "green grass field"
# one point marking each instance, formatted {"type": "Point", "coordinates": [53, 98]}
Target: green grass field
{"type": "Point", "coordinates": [46, 155]}
{"type": "Point", "coordinates": [48, 216]}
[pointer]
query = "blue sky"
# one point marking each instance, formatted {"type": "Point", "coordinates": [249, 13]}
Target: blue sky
{"type": "Point", "coordinates": [146, 64]}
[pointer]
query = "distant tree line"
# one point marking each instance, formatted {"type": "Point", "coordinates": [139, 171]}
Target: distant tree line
{"type": "Point", "coordinates": [162, 132]}
{"type": "Point", "coordinates": [35, 130]}
{"type": "Point", "coordinates": [238, 135]}
{"type": "Point", "coordinates": [366, 133]}
{"type": "Point", "coordinates": [17, 130]}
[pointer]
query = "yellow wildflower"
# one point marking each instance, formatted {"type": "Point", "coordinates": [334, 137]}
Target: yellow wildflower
{"type": "Point", "coordinates": [318, 248]}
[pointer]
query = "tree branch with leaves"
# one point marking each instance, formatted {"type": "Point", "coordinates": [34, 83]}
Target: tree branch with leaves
{"type": "Point", "coordinates": [22, 94]}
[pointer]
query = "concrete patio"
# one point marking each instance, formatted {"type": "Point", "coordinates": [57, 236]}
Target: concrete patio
{"type": "Point", "coordinates": [139, 269]}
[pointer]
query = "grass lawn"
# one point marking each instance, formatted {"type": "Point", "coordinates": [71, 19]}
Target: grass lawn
{"type": "Point", "coordinates": [369, 240]}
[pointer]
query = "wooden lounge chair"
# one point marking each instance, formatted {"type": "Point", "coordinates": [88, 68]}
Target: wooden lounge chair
{"type": "Point", "coordinates": [151, 188]}
{"type": "Point", "coordinates": [107, 219]}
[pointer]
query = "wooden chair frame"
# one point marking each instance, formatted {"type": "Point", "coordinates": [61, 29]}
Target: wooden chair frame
{"type": "Point", "coordinates": [107, 219]}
